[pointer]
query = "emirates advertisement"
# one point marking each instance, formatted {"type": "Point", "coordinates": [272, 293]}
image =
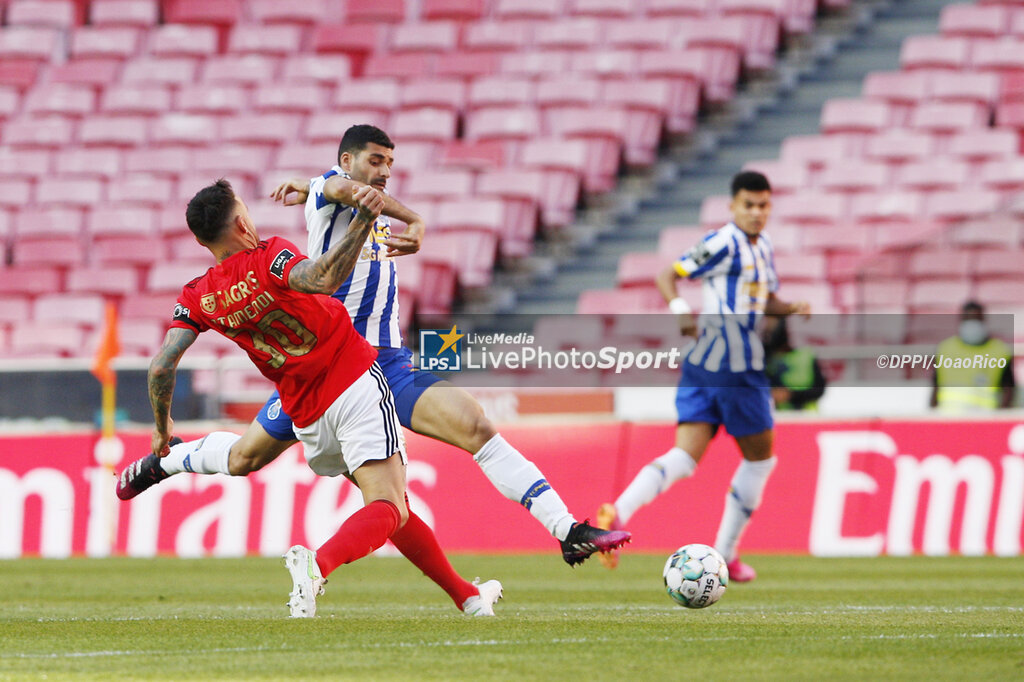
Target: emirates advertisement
{"type": "Point", "coordinates": [863, 488]}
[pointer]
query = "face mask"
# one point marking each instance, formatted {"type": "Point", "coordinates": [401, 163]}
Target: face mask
{"type": "Point", "coordinates": [973, 332]}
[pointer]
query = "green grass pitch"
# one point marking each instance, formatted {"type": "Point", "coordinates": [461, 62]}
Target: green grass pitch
{"type": "Point", "coordinates": [803, 619]}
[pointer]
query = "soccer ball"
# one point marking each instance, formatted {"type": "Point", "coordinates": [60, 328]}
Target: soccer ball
{"type": "Point", "coordinates": [696, 576]}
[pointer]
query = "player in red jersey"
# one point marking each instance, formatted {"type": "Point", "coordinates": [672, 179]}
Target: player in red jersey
{"type": "Point", "coordinates": [261, 295]}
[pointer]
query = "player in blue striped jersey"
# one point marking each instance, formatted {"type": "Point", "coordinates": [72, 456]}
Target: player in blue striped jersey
{"type": "Point", "coordinates": [425, 403]}
{"type": "Point", "coordinates": [723, 381]}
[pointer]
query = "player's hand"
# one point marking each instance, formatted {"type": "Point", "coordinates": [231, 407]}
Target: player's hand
{"type": "Point", "coordinates": [158, 445]}
{"type": "Point", "coordinates": [801, 308]}
{"type": "Point", "coordinates": [369, 201]}
{"type": "Point", "coordinates": [688, 325]}
{"type": "Point", "coordinates": [292, 192]}
{"type": "Point", "coordinates": [781, 395]}
{"type": "Point", "coordinates": [404, 243]}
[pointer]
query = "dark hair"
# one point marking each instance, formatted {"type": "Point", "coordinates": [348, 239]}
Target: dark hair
{"type": "Point", "coordinates": [972, 306]}
{"type": "Point", "coordinates": [357, 137]}
{"type": "Point", "coordinates": [752, 181]}
{"type": "Point", "coordinates": [210, 210]}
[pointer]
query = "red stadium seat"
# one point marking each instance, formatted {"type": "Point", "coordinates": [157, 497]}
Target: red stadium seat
{"type": "Point", "coordinates": [59, 251]}
{"type": "Point", "coordinates": [988, 231]}
{"type": "Point", "coordinates": [299, 98]}
{"type": "Point", "coordinates": [608, 9]}
{"type": "Point", "coordinates": [523, 192]}
{"type": "Point", "coordinates": [16, 192]}
{"type": "Point", "coordinates": [50, 132]}
{"type": "Point", "coordinates": [854, 175]}
{"type": "Point", "coordinates": [61, 99]}
{"type": "Point", "coordinates": [232, 160]}
{"type": "Point", "coordinates": [103, 280]}
{"type": "Point", "coordinates": [75, 191]}
{"type": "Point", "coordinates": [615, 301]}
{"type": "Point", "coordinates": [472, 155]}
{"type": "Point", "coordinates": [261, 128]}
{"type": "Point", "coordinates": [154, 307]}
{"type": "Point", "coordinates": [604, 129]}
{"type": "Point", "coordinates": [647, 104]}
{"type": "Point", "coordinates": [500, 91]}
{"type": "Point", "coordinates": [402, 66]}
{"type": "Point", "coordinates": [888, 207]}
{"type": "Point", "coordinates": [949, 117]}
{"type": "Point", "coordinates": [120, 221]}
{"type": "Point", "coordinates": [674, 241]}
{"type": "Point", "coordinates": [935, 52]}
{"type": "Point", "coordinates": [29, 280]}
{"type": "Point", "coordinates": [533, 64]}
{"type": "Point", "coordinates": [329, 127]}
{"type": "Point", "coordinates": [971, 21]}
{"type": "Point", "coordinates": [159, 161]}
{"type": "Point", "coordinates": [997, 56]}
{"type": "Point", "coordinates": [318, 157]}
{"type": "Point", "coordinates": [470, 254]}
{"type": "Point", "coordinates": [220, 12]}
{"type": "Point", "coordinates": [439, 93]}
{"type": "Point", "coordinates": [60, 14]}
{"type": "Point", "coordinates": [984, 144]}
{"type": "Point", "coordinates": [147, 100]}
{"type": "Point", "coordinates": [250, 69]}
{"type": "Point", "coordinates": [13, 309]}
{"type": "Point", "coordinates": [855, 116]}
{"type": "Point", "coordinates": [48, 222]}
{"type": "Point", "coordinates": [527, 9]}
{"type": "Point", "coordinates": [205, 98]}
{"type": "Point", "coordinates": [606, 64]}
{"type": "Point", "coordinates": [638, 268]}
{"type": "Point", "coordinates": [934, 174]}
{"type": "Point", "coordinates": [354, 41]}
{"type": "Point", "coordinates": [899, 145]}
{"type": "Point", "coordinates": [139, 13]}
{"type": "Point", "coordinates": [1003, 174]}
{"type": "Point", "coordinates": [466, 65]}
{"type": "Point", "coordinates": [715, 211]}
{"type": "Point", "coordinates": [832, 238]}
{"type": "Point", "coordinates": [457, 10]}
{"type": "Point", "coordinates": [518, 123]}
{"type": "Point", "coordinates": [18, 73]}
{"type": "Point", "coordinates": [564, 163]}
{"type": "Point", "coordinates": [938, 263]}
{"type": "Point", "coordinates": [370, 94]}
{"type": "Point", "coordinates": [46, 339]}
{"type": "Point", "coordinates": [582, 33]}
{"type": "Point", "coordinates": [904, 88]}
{"type": "Point", "coordinates": [681, 8]}
{"type": "Point", "coordinates": [24, 163]}
{"type": "Point", "coordinates": [307, 13]}
{"type": "Point", "coordinates": [939, 296]}
{"type": "Point", "coordinates": [323, 69]}
{"type": "Point", "coordinates": [276, 40]}
{"type": "Point", "coordinates": [497, 36]}
{"type": "Point", "coordinates": [167, 71]}
{"type": "Point", "coordinates": [136, 250]}
{"type": "Point", "coordinates": [434, 185]}
{"type": "Point", "coordinates": [962, 204]}
{"type": "Point", "coordinates": [140, 338]}
{"type": "Point", "coordinates": [810, 208]}
{"type": "Point", "coordinates": [29, 42]}
{"type": "Point", "coordinates": [114, 131]}
{"type": "Point", "coordinates": [171, 277]}
{"type": "Point", "coordinates": [574, 91]}
{"type": "Point", "coordinates": [138, 189]}
{"type": "Point", "coordinates": [425, 37]}
{"type": "Point", "coordinates": [183, 40]}
{"type": "Point", "coordinates": [424, 125]}
{"type": "Point", "coordinates": [817, 150]}
{"type": "Point", "coordinates": [104, 42]}
{"type": "Point", "coordinates": [982, 88]}
{"type": "Point", "coordinates": [996, 263]}
{"type": "Point", "coordinates": [187, 129]}
{"type": "Point", "coordinates": [644, 34]}
{"type": "Point", "coordinates": [375, 11]}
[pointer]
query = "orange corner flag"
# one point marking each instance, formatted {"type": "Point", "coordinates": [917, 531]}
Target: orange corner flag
{"type": "Point", "coordinates": [108, 349]}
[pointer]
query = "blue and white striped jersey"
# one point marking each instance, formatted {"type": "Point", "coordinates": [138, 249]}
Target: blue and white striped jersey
{"type": "Point", "coordinates": [371, 292]}
{"type": "Point", "coordinates": [737, 278]}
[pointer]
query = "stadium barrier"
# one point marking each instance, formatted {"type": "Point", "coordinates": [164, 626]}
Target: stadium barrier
{"type": "Point", "coordinates": [851, 488]}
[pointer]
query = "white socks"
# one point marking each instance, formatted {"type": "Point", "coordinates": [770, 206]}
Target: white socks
{"type": "Point", "coordinates": [653, 480]}
{"type": "Point", "coordinates": [519, 479]}
{"type": "Point", "coordinates": [208, 455]}
{"type": "Point", "coordinates": [742, 499]}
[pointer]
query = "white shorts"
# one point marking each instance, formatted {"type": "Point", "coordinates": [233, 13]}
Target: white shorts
{"type": "Point", "coordinates": [358, 427]}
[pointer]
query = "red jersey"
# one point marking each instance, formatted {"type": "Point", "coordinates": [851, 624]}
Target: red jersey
{"type": "Point", "coordinates": [304, 343]}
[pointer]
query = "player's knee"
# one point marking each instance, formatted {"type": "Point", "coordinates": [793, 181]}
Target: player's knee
{"type": "Point", "coordinates": [242, 462]}
{"type": "Point", "coordinates": [478, 428]}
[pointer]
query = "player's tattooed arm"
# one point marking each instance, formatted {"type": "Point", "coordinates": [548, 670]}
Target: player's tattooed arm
{"type": "Point", "coordinates": [325, 274]}
{"type": "Point", "coordinates": [161, 376]}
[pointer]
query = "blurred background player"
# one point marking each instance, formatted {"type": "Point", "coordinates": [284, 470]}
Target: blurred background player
{"type": "Point", "coordinates": [723, 380]}
{"type": "Point", "coordinates": [425, 403]}
{"type": "Point", "coordinates": [794, 373]}
{"type": "Point", "coordinates": [971, 388]}
{"type": "Point", "coordinates": [258, 295]}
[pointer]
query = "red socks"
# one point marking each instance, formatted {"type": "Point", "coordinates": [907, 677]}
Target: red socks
{"type": "Point", "coordinates": [417, 543]}
{"type": "Point", "coordinates": [363, 532]}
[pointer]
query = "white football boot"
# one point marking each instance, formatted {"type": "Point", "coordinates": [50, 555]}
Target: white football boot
{"type": "Point", "coordinates": [482, 604]}
{"type": "Point", "coordinates": [307, 582]}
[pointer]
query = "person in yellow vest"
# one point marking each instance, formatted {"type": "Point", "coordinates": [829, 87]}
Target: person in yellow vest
{"type": "Point", "coordinates": [795, 375]}
{"type": "Point", "coordinates": [973, 370]}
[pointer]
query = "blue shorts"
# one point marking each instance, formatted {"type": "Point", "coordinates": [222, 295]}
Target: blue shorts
{"type": "Point", "coordinates": [407, 385]}
{"type": "Point", "coordinates": [741, 401]}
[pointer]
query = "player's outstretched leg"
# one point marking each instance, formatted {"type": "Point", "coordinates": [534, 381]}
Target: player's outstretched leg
{"type": "Point", "coordinates": [307, 582]}
{"type": "Point", "coordinates": [584, 539]}
{"type": "Point", "coordinates": [142, 474]}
